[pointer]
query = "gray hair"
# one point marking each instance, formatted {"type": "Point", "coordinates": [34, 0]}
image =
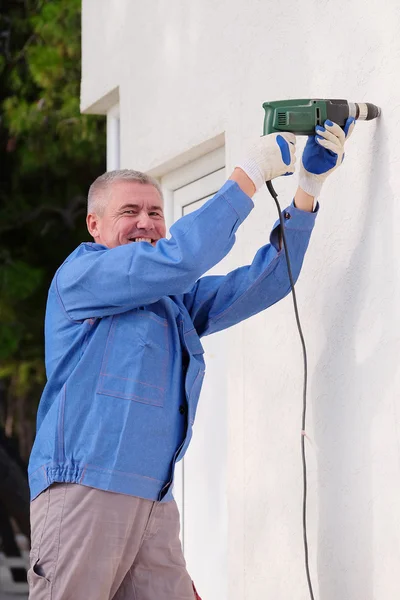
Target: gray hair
{"type": "Point", "coordinates": [99, 191]}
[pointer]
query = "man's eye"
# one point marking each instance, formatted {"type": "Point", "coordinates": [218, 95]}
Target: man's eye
{"type": "Point", "coordinates": [129, 212]}
{"type": "Point", "coordinates": [156, 214]}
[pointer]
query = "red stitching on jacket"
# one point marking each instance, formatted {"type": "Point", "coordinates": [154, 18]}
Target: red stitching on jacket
{"type": "Point", "coordinates": [134, 380]}
{"type": "Point", "coordinates": [115, 394]}
{"type": "Point", "coordinates": [123, 473]}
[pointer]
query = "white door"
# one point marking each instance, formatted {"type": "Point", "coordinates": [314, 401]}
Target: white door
{"type": "Point", "coordinates": [200, 482]}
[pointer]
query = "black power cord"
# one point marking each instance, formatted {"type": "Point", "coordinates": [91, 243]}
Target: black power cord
{"type": "Point", "coordinates": [303, 421]}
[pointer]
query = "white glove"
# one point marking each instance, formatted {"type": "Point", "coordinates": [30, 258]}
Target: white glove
{"type": "Point", "coordinates": [273, 155]}
{"type": "Point", "coordinates": [322, 154]}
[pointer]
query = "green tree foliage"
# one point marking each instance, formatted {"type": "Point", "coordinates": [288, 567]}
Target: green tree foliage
{"type": "Point", "coordinates": [49, 155]}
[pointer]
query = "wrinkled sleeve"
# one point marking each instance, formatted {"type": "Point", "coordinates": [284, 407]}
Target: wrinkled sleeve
{"type": "Point", "coordinates": [218, 302]}
{"type": "Point", "coordinates": [103, 281]}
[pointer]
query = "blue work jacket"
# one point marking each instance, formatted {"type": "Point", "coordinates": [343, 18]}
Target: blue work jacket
{"type": "Point", "coordinates": [124, 360]}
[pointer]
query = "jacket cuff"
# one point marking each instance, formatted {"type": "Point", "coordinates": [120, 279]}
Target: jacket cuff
{"type": "Point", "coordinates": [240, 202]}
{"type": "Point", "coordinates": [294, 218]}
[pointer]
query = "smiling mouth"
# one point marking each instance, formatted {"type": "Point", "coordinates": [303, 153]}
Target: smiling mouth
{"type": "Point", "coordinates": [142, 239]}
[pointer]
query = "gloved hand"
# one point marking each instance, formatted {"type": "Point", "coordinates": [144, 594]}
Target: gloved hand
{"type": "Point", "coordinates": [322, 154]}
{"type": "Point", "coordinates": [273, 155]}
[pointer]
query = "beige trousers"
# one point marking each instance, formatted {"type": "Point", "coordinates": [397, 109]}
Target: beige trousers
{"type": "Point", "coordinates": [88, 544]}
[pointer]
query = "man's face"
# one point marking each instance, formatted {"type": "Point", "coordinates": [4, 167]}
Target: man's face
{"type": "Point", "coordinates": [134, 212]}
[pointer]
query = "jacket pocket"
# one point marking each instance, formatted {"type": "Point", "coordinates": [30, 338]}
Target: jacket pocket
{"type": "Point", "coordinates": [136, 357]}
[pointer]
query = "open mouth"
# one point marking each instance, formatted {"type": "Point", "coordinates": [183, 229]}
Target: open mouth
{"type": "Point", "coordinates": [142, 239]}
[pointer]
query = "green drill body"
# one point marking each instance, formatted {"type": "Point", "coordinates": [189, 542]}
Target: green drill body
{"type": "Point", "coordinates": [301, 116]}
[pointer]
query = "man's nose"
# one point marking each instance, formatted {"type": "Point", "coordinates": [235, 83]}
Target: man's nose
{"type": "Point", "coordinates": [144, 222]}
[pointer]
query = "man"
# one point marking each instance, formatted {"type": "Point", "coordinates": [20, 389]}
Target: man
{"type": "Point", "coordinates": [125, 366]}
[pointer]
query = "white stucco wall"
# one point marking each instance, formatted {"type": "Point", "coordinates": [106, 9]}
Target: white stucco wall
{"type": "Point", "coordinates": [189, 71]}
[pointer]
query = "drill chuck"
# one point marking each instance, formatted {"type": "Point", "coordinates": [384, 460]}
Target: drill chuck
{"type": "Point", "coordinates": [364, 111]}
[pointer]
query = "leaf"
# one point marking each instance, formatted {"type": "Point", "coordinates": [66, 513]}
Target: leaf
{"type": "Point", "coordinates": [50, 154]}
{"type": "Point", "coordinates": [18, 280]}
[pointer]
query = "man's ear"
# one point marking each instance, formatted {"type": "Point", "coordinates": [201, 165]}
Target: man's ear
{"type": "Point", "coordinates": [92, 222]}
